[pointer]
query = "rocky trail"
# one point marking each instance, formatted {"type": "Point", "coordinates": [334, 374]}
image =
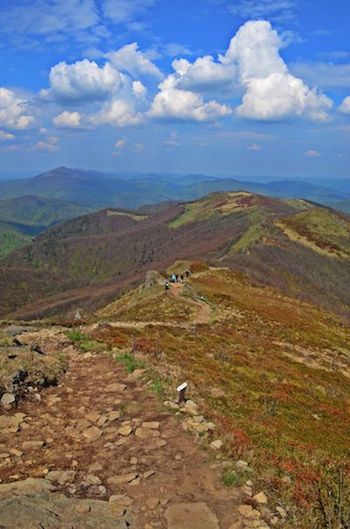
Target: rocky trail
{"type": "Point", "coordinates": [100, 450]}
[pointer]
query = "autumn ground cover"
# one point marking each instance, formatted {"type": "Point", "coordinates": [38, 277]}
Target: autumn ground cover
{"type": "Point", "coordinates": [273, 373]}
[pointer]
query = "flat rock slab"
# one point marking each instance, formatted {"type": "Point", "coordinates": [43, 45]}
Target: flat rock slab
{"type": "Point", "coordinates": [30, 504]}
{"type": "Point", "coordinates": [193, 515]}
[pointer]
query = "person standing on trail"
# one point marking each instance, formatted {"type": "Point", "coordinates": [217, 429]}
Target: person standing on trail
{"type": "Point", "coordinates": [188, 273]}
{"type": "Point", "coordinates": [166, 285]}
{"type": "Point", "coordinates": [173, 278]}
{"type": "Point", "coordinates": [182, 278]}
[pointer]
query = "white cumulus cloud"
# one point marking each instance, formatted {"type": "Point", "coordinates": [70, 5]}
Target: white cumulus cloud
{"type": "Point", "coordinates": [68, 120]}
{"type": "Point", "coordinates": [205, 74]}
{"type": "Point", "coordinates": [130, 59]}
{"type": "Point", "coordinates": [271, 91]}
{"type": "Point", "coordinates": [13, 110]}
{"type": "Point", "coordinates": [344, 108]}
{"type": "Point", "coordinates": [172, 102]}
{"type": "Point", "coordinates": [82, 81]}
{"type": "Point", "coordinates": [119, 113]}
{"type": "Point", "coordinates": [138, 89]}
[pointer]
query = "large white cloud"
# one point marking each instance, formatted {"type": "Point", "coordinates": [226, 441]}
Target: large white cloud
{"type": "Point", "coordinates": [130, 59]}
{"type": "Point", "coordinates": [271, 91]}
{"type": "Point", "coordinates": [205, 74]}
{"type": "Point", "coordinates": [13, 110]}
{"type": "Point", "coordinates": [174, 103]}
{"type": "Point", "coordinates": [344, 108]}
{"type": "Point", "coordinates": [82, 81]}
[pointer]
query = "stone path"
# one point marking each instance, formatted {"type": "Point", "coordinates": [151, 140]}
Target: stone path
{"type": "Point", "coordinates": [102, 435]}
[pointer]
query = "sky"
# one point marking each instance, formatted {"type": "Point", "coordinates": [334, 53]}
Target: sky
{"type": "Point", "coordinates": [217, 87]}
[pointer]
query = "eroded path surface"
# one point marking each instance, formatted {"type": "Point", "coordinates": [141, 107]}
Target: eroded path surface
{"type": "Point", "coordinates": [101, 434]}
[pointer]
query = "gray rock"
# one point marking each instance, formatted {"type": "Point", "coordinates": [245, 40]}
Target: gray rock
{"type": "Point", "coordinates": [31, 504]}
{"type": "Point", "coordinates": [7, 400]}
{"type": "Point", "coordinates": [62, 477]}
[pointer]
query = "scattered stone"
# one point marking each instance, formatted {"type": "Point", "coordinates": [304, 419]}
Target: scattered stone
{"type": "Point", "coordinates": [10, 424]}
{"type": "Point", "coordinates": [243, 466]}
{"type": "Point", "coordinates": [93, 480]}
{"type": "Point", "coordinates": [146, 433]}
{"type": "Point", "coordinates": [244, 510]}
{"type": "Point", "coordinates": [191, 407]}
{"type": "Point", "coordinates": [160, 443]}
{"type": "Point", "coordinates": [171, 405]}
{"type": "Point", "coordinates": [125, 431]}
{"type": "Point", "coordinates": [133, 460]}
{"type": "Point", "coordinates": [261, 498]}
{"type": "Point", "coordinates": [282, 512]}
{"type": "Point", "coordinates": [120, 480]}
{"type": "Point", "coordinates": [95, 467]}
{"type": "Point", "coordinates": [121, 499]}
{"type": "Point", "coordinates": [62, 477]}
{"type": "Point", "coordinates": [97, 491]}
{"type": "Point", "coordinates": [7, 400]}
{"type": "Point", "coordinates": [152, 503]}
{"type": "Point", "coordinates": [113, 416]}
{"type": "Point", "coordinates": [4, 455]}
{"type": "Point", "coordinates": [92, 434]}
{"type": "Point", "coordinates": [92, 417]}
{"type": "Point", "coordinates": [195, 515]}
{"type": "Point", "coordinates": [15, 452]}
{"type": "Point", "coordinates": [151, 425]}
{"type": "Point", "coordinates": [32, 445]}
{"type": "Point", "coordinates": [216, 445]}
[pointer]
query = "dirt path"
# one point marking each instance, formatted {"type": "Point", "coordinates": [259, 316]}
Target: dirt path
{"type": "Point", "coordinates": [117, 440]}
{"type": "Point", "coordinates": [203, 309]}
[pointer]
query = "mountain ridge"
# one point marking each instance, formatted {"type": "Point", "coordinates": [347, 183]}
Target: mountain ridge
{"type": "Point", "coordinates": [294, 245]}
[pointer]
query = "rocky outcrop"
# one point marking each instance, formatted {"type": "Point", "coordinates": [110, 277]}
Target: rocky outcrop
{"type": "Point", "coordinates": [33, 503]}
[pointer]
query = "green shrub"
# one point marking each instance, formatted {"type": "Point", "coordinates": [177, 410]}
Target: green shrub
{"type": "Point", "coordinates": [230, 478]}
{"type": "Point", "coordinates": [130, 362]}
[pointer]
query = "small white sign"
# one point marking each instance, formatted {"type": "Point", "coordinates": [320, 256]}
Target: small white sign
{"type": "Point", "coordinates": [182, 387]}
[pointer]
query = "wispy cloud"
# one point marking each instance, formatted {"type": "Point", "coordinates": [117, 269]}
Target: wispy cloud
{"type": "Point", "coordinates": [312, 154]}
{"type": "Point", "coordinates": [276, 10]}
{"type": "Point", "coordinates": [48, 19]}
{"type": "Point", "coordinates": [126, 10]}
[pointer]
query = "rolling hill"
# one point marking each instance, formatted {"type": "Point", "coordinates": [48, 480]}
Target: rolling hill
{"type": "Point", "coordinates": [294, 245]}
{"type": "Point", "coordinates": [99, 190]}
{"type": "Point", "coordinates": [37, 211]}
{"type": "Point", "coordinates": [25, 217]}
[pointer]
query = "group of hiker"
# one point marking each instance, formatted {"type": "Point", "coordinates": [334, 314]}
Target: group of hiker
{"type": "Point", "coordinates": [176, 278]}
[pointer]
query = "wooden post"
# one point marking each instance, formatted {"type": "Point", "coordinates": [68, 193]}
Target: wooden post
{"type": "Point", "coordinates": [181, 390]}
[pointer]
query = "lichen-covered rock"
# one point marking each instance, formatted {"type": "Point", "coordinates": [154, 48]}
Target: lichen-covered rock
{"type": "Point", "coordinates": [32, 503]}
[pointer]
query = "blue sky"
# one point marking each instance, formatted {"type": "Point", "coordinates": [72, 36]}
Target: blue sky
{"type": "Point", "coordinates": [222, 87]}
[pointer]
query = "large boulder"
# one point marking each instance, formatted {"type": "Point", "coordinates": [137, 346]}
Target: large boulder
{"type": "Point", "coordinates": [32, 503]}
